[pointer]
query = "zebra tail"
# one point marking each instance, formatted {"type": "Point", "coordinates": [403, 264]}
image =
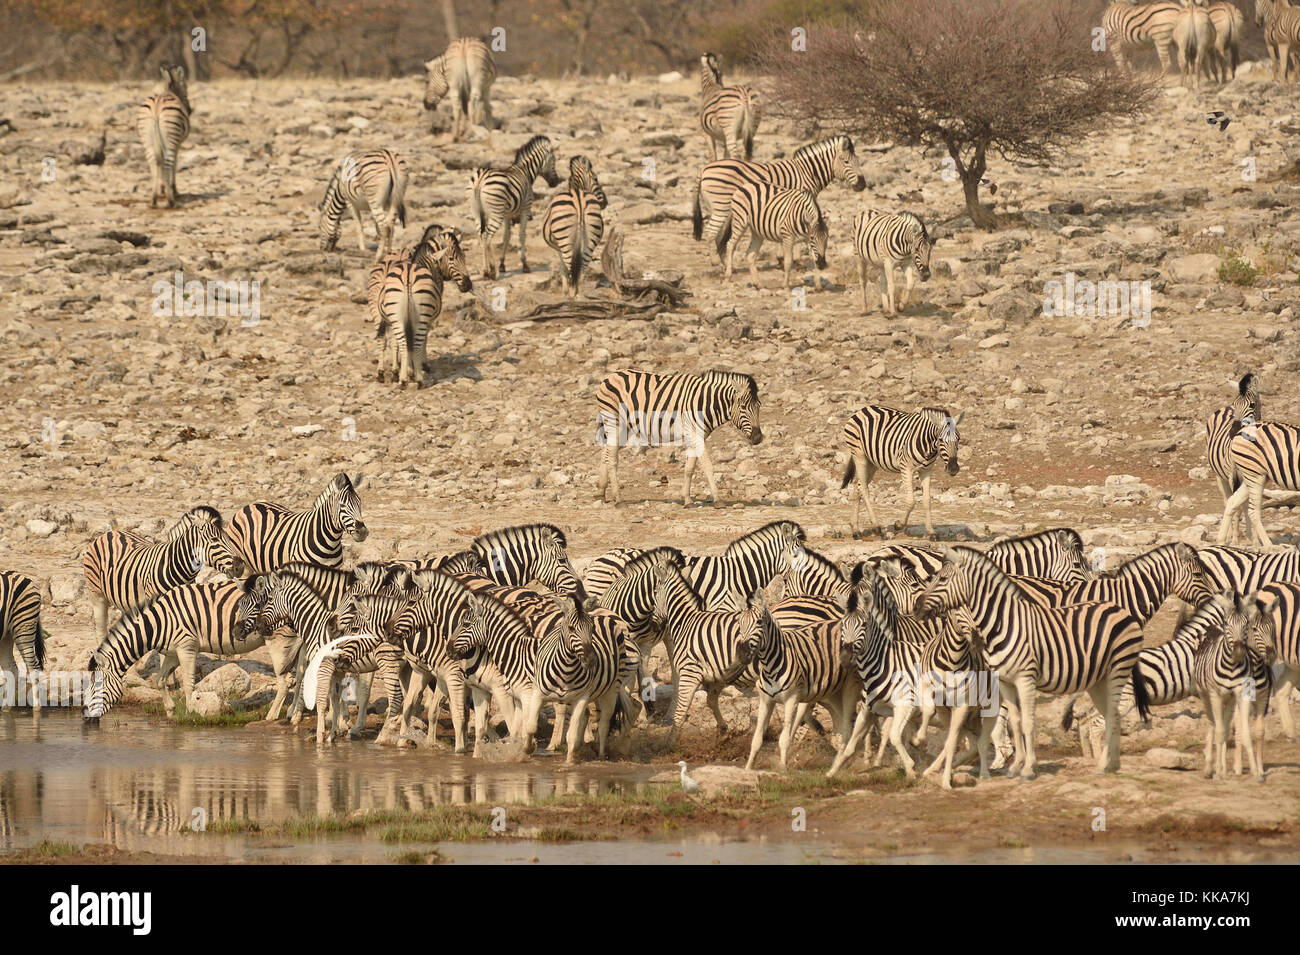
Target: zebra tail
{"type": "Point", "coordinates": [724, 236]}
{"type": "Point", "coordinates": [399, 199]}
{"type": "Point", "coordinates": [40, 647]}
{"type": "Point", "coordinates": [1067, 718]}
{"type": "Point", "coordinates": [848, 473]}
{"type": "Point", "coordinates": [1140, 695]}
{"type": "Point", "coordinates": [476, 206]}
{"type": "Point", "coordinates": [619, 717]}
{"type": "Point", "coordinates": [750, 123]}
{"type": "Point", "coordinates": [697, 216]}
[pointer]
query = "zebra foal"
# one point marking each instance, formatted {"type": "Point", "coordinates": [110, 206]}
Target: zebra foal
{"type": "Point", "coordinates": [163, 122]}
{"type": "Point", "coordinates": [466, 71]}
{"type": "Point", "coordinates": [373, 181]}
{"type": "Point", "coordinates": [499, 197]}
{"type": "Point", "coordinates": [767, 211]}
{"type": "Point", "coordinates": [897, 241]}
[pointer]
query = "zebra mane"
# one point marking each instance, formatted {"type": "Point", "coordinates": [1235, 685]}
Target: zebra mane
{"type": "Point", "coordinates": [1249, 383]}
{"type": "Point", "coordinates": [829, 144]}
{"type": "Point", "coordinates": [485, 539]}
{"type": "Point", "coordinates": [192, 518]}
{"type": "Point", "coordinates": [825, 563]}
{"type": "Point", "coordinates": [1075, 540]}
{"type": "Point", "coordinates": [767, 530]}
{"type": "Point", "coordinates": [495, 606]}
{"type": "Point", "coordinates": [528, 148]}
{"type": "Point", "coordinates": [647, 559]}
{"type": "Point", "coordinates": [733, 378]}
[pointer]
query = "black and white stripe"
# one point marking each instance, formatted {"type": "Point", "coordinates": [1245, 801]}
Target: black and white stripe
{"type": "Point", "coordinates": [1133, 26]}
{"type": "Point", "coordinates": [1275, 616]}
{"type": "Point", "coordinates": [1262, 453]}
{"type": "Point", "coordinates": [1225, 680]}
{"type": "Point", "coordinates": [21, 633]}
{"type": "Point", "coordinates": [765, 210]}
{"type": "Point", "coordinates": [465, 69]}
{"type": "Point", "coordinates": [499, 197]}
{"type": "Point", "coordinates": [638, 408]}
{"type": "Point", "coordinates": [891, 241]}
{"type": "Point", "coordinates": [374, 180]}
{"type": "Point", "coordinates": [266, 536]}
{"type": "Point", "coordinates": [574, 223]}
{"type": "Point", "coordinates": [729, 115]}
{"type": "Point", "coordinates": [1224, 425]}
{"type": "Point", "coordinates": [908, 443]}
{"type": "Point", "coordinates": [516, 556]}
{"type": "Point", "coordinates": [163, 122]}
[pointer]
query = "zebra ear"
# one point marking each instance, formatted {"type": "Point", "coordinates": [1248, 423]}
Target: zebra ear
{"type": "Point", "coordinates": [957, 420]}
{"type": "Point", "coordinates": [950, 555]}
{"type": "Point", "coordinates": [357, 481]}
{"type": "Point", "coordinates": [430, 64]}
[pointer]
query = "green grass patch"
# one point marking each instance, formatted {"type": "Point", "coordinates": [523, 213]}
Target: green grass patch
{"type": "Point", "coordinates": [1236, 270]}
{"type": "Point", "coordinates": [183, 717]}
{"type": "Point", "coordinates": [52, 849]}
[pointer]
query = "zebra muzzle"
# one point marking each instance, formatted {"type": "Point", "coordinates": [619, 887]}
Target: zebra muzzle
{"type": "Point", "coordinates": [360, 532]}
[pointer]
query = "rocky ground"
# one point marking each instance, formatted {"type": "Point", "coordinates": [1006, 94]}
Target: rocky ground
{"type": "Point", "coordinates": [119, 416]}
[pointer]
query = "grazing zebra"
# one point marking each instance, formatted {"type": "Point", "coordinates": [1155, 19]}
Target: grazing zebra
{"type": "Point", "coordinates": [1267, 452]}
{"type": "Point", "coordinates": [499, 197]}
{"type": "Point", "coordinates": [1091, 647]}
{"type": "Point", "coordinates": [1194, 38]}
{"type": "Point", "coordinates": [515, 556]}
{"type": "Point", "coordinates": [405, 297]}
{"type": "Point", "coordinates": [574, 225]}
{"type": "Point", "coordinates": [1229, 27]}
{"type": "Point", "coordinates": [179, 623]}
{"type": "Point", "coordinates": [708, 648]}
{"type": "Point", "coordinates": [1132, 26]}
{"type": "Point", "coordinates": [465, 69]}
{"type": "Point", "coordinates": [1224, 425]}
{"type": "Point", "coordinates": [766, 211]}
{"type": "Point", "coordinates": [1223, 678]}
{"type": "Point", "coordinates": [728, 114]}
{"type": "Point", "coordinates": [126, 570]}
{"type": "Point", "coordinates": [812, 168]}
{"type": "Point", "coordinates": [266, 536]}
{"type": "Point", "coordinates": [638, 408]}
{"type": "Point", "coordinates": [897, 241]}
{"type": "Point", "coordinates": [374, 181]}
{"type": "Point", "coordinates": [20, 632]}
{"type": "Point", "coordinates": [163, 122]}
{"type": "Point", "coordinates": [1276, 617]}
{"type": "Point", "coordinates": [1281, 23]}
{"type": "Point", "coordinates": [899, 442]}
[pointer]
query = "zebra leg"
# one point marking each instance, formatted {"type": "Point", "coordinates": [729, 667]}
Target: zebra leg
{"type": "Point", "coordinates": [689, 468]}
{"type": "Point", "coordinates": [902, 716]}
{"type": "Point", "coordinates": [609, 465]}
{"type": "Point", "coordinates": [577, 729]}
{"type": "Point", "coordinates": [887, 286]}
{"type": "Point", "coordinates": [956, 720]}
{"type": "Point", "coordinates": [454, 685]}
{"type": "Point", "coordinates": [439, 689]}
{"type": "Point", "coordinates": [364, 681]}
{"type": "Point", "coordinates": [865, 473]}
{"type": "Point", "coordinates": [713, 696]}
{"type": "Point", "coordinates": [7, 667]}
{"type": "Point", "coordinates": [1105, 698]}
{"type": "Point", "coordinates": [1222, 715]}
{"type": "Point", "coordinates": [1282, 699]}
{"type": "Point", "coordinates": [361, 229]}
{"type": "Point", "coordinates": [481, 699]}
{"type": "Point", "coordinates": [909, 495]}
{"type": "Point", "coordinates": [861, 725]}
{"type": "Point", "coordinates": [755, 243]}
{"type": "Point", "coordinates": [688, 682]}
{"type": "Point", "coordinates": [412, 695]}
{"type": "Point", "coordinates": [1256, 510]}
{"type": "Point", "coordinates": [1231, 509]}
{"type": "Point", "coordinates": [862, 274]}
{"type": "Point", "coordinates": [169, 176]}
{"type": "Point", "coordinates": [787, 259]}
{"type": "Point", "coordinates": [925, 493]}
{"type": "Point", "coordinates": [1027, 698]}
{"type": "Point", "coordinates": [765, 704]}
{"type": "Point", "coordinates": [523, 242]}
{"type": "Point", "coordinates": [604, 714]}
{"type": "Point", "coordinates": [886, 728]}
{"type": "Point", "coordinates": [489, 268]}
{"type": "Point", "coordinates": [335, 705]}
{"type": "Point", "coordinates": [793, 717]}
{"type": "Point", "coordinates": [99, 609]}
{"type": "Point", "coordinates": [531, 710]}
{"type": "Point", "coordinates": [706, 464]}
{"type": "Point", "coordinates": [909, 273]}
{"type": "Point", "coordinates": [324, 689]}
{"type": "Point", "coordinates": [557, 727]}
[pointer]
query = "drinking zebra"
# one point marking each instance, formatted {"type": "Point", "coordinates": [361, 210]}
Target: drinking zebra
{"type": "Point", "coordinates": [812, 168]}
{"type": "Point", "coordinates": [1133, 26]}
{"type": "Point", "coordinates": [266, 536]}
{"type": "Point", "coordinates": [637, 408]}
{"type": "Point", "coordinates": [465, 69]}
{"type": "Point", "coordinates": [574, 225]}
{"type": "Point", "coordinates": [499, 197]}
{"type": "Point", "coordinates": [20, 633]}
{"type": "Point", "coordinates": [1223, 676]}
{"type": "Point", "coordinates": [163, 122]}
{"type": "Point", "coordinates": [729, 115]}
{"type": "Point", "coordinates": [374, 181]}
{"type": "Point", "coordinates": [1281, 23]}
{"type": "Point", "coordinates": [1093, 647]}
{"type": "Point", "coordinates": [405, 297]}
{"type": "Point", "coordinates": [1222, 426]}
{"type": "Point", "coordinates": [897, 241]}
{"type": "Point", "coordinates": [125, 570]}
{"type": "Point", "coordinates": [899, 442]}
{"type": "Point", "coordinates": [766, 211]}
{"type": "Point", "coordinates": [1267, 452]}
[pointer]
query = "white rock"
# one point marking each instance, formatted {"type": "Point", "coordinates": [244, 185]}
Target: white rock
{"type": "Point", "coordinates": [40, 528]}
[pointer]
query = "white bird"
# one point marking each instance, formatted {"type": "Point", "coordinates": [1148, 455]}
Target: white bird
{"type": "Point", "coordinates": [688, 784]}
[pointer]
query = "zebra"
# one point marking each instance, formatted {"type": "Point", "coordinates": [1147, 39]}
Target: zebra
{"type": "Point", "coordinates": [1281, 23]}
{"type": "Point", "coordinates": [374, 181]}
{"type": "Point", "coordinates": [894, 241]}
{"type": "Point", "coordinates": [1092, 646]}
{"type": "Point", "coordinates": [631, 597]}
{"type": "Point", "coordinates": [405, 298]}
{"type": "Point", "coordinates": [465, 69]}
{"type": "Point", "coordinates": [1222, 672]}
{"type": "Point", "coordinates": [163, 122]}
{"type": "Point", "coordinates": [514, 556]}
{"type": "Point", "coordinates": [1222, 426]}
{"type": "Point", "coordinates": [638, 408]}
{"type": "Point", "coordinates": [728, 114]}
{"type": "Point", "coordinates": [461, 562]}
{"type": "Point", "coordinates": [265, 535]}
{"type": "Point", "coordinates": [1275, 616]}
{"type": "Point", "coordinates": [1266, 452]}
{"type": "Point", "coordinates": [501, 196]}
{"type": "Point", "coordinates": [574, 225]}
{"type": "Point", "coordinates": [125, 570]}
{"type": "Point", "coordinates": [899, 442]}
{"type": "Point", "coordinates": [1132, 26]}
{"type": "Point", "coordinates": [179, 623]}
{"type": "Point", "coordinates": [355, 654]}
{"type": "Point", "coordinates": [1243, 571]}
{"type": "Point", "coordinates": [708, 648]}
{"type": "Point", "coordinates": [1194, 38]}
{"type": "Point", "coordinates": [812, 168]}
{"type": "Point", "coordinates": [807, 573]}
{"type": "Point", "coordinates": [767, 211]}
{"type": "Point", "coordinates": [1229, 27]}
{"type": "Point", "coordinates": [1054, 554]}
{"type": "Point", "coordinates": [21, 632]}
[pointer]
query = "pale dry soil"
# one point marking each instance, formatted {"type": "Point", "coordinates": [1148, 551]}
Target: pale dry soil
{"type": "Point", "coordinates": [118, 416]}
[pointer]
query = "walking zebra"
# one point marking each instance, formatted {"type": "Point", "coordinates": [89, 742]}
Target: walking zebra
{"type": "Point", "coordinates": [574, 225]}
{"type": "Point", "coordinates": [266, 536]}
{"type": "Point", "coordinates": [126, 570]}
{"type": "Point", "coordinates": [1224, 425]}
{"type": "Point", "coordinates": [1267, 452]}
{"type": "Point", "coordinates": [1281, 23]}
{"type": "Point", "coordinates": [515, 556]}
{"type": "Point", "coordinates": [405, 297]}
{"type": "Point", "coordinates": [499, 197]}
{"type": "Point", "coordinates": [179, 623]}
{"type": "Point", "coordinates": [812, 168]}
{"type": "Point", "coordinates": [1194, 39]}
{"type": "Point", "coordinates": [1091, 647]}
{"type": "Point", "coordinates": [1229, 27]}
{"type": "Point", "coordinates": [1275, 616]}
{"type": "Point", "coordinates": [1132, 26]}
{"type": "Point", "coordinates": [20, 633]}
{"type": "Point", "coordinates": [766, 211]}
{"type": "Point", "coordinates": [373, 181]}
{"type": "Point", "coordinates": [638, 408]}
{"type": "Point", "coordinates": [1223, 678]}
{"type": "Point", "coordinates": [728, 114]}
{"type": "Point", "coordinates": [897, 241]}
{"type": "Point", "coordinates": [163, 122]}
{"type": "Point", "coordinates": [899, 442]}
{"type": "Point", "coordinates": [465, 69]}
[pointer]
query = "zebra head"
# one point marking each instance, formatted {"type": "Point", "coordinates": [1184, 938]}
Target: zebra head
{"type": "Point", "coordinates": [439, 249]}
{"type": "Point", "coordinates": [711, 68]}
{"type": "Point", "coordinates": [270, 594]}
{"type": "Point", "coordinates": [745, 408]}
{"type": "Point", "coordinates": [248, 609]}
{"type": "Point", "coordinates": [949, 438]}
{"type": "Point", "coordinates": [105, 686]}
{"type": "Point", "coordinates": [582, 178]}
{"type": "Point", "coordinates": [1262, 634]}
{"type": "Point", "coordinates": [756, 632]}
{"type": "Point", "coordinates": [473, 630]}
{"type": "Point", "coordinates": [1235, 626]}
{"type": "Point", "coordinates": [537, 158]}
{"type": "Point", "coordinates": [949, 587]}
{"type": "Point", "coordinates": [921, 251]}
{"type": "Point", "coordinates": [1248, 389]}
{"type": "Point", "coordinates": [436, 84]}
{"type": "Point", "coordinates": [1190, 583]}
{"type": "Point", "coordinates": [347, 505]}
{"type": "Point", "coordinates": [217, 552]}
{"type": "Point", "coordinates": [173, 80]}
{"type": "Point", "coordinates": [846, 164]}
